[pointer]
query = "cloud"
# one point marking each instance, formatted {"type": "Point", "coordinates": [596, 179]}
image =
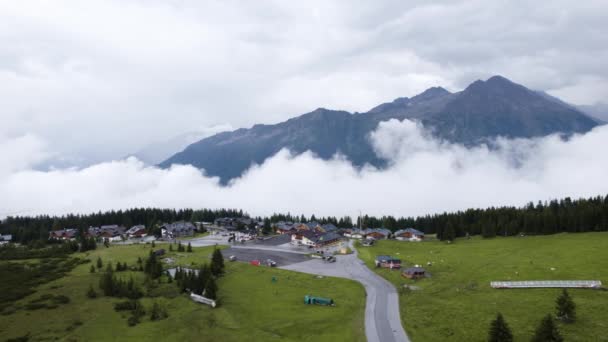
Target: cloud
{"type": "Point", "coordinates": [425, 176]}
{"type": "Point", "coordinates": [105, 79]}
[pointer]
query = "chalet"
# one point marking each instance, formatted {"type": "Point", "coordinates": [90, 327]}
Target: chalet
{"type": "Point", "coordinates": [354, 233]}
{"type": "Point", "coordinates": [177, 229]}
{"type": "Point", "coordinates": [377, 233]}
{"type": "Point", "coordinates": [328, 239]}
{"type": "Point", "coordinates": [327, 228]}
{"type": "Point", "coordinates": [304, 238]}
{"type": "Point", "coordinates": [111, 233]}
{"type": "Point", "coordinates": [387, 262]}
{"type": "Point", "coordinates": [5, 239]}
{"type": "Point", "coordinates": [63, 234]}
{"type": "Point", "coordinates": [284, 227]}
{"type": "Point", "coordinates": [409, 234]}
{"type": "Point", "coordinates": [233, 223]}
{"type": "Point", "coordinates": [414, 272]}
{"type": "Point", "coordinates": [138, 231]}
{"type": "Point", "coordinates": [310, 238]}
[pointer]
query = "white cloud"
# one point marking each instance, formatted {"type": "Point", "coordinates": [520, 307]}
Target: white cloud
{"type": "Point", "coordinates": [100, 80]}
{"type": "Point", "coordinates": [425, 176]}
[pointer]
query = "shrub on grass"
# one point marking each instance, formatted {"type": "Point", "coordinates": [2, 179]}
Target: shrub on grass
{"type": "Point", "coordinates": [91, 292]}
{"type": "Point", "coordinates": [566, 309]}
{"type": "Point", "coordinates": [547, 331]}
{"type": "Point", "coordinates": [61, 299]}
{"type": "Point", "coordinates": [499, 330]}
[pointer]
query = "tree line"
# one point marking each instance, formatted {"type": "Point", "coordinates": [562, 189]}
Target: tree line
{"type": "Point", "coordinates": [564, 215]}
{"type": "Point", "coordinates": [25, 229]}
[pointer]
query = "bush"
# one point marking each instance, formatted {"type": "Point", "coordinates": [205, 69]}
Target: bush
{"type": "Point", "coordinates": [133, 321]}
{"type": "Point", "coordinates": [158, 312]}
{"type": "Point", "coordinates": [91, 292]}
{"type": "Point", "coordinates": [127, 305]}
{"type": "Point", "coordinates": [61, 299]}
{"type": "Point", "coordinates": [35, 306]}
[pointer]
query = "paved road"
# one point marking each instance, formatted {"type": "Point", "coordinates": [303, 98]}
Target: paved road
{"type": "Point", "coordinates": [282, 258]}
{"type": "Point", "coordinates": [382, 317]}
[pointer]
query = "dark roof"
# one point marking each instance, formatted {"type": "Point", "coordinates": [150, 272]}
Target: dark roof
{"type": "Point", "coordinates": [414, 270]}
{"type": "Point", "coordinates": [409, 230]}
{"type": "Point", "coordinates": [178, 226]}
{"type": "Point", "coordinates": [331, 236]}
{"type": "Point", "coordinates": [136, 228]}
{"type": "Point", "coordinates": [386, 258]}
{"type": "Point", "coordinates": [328, 227]}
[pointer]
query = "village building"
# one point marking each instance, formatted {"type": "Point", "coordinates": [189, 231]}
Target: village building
{"type": "Point", "coordinates": [63, 234]}
{"type": "Point", "coordinates": [415, 272]}
{"type": "Point", "coordinates": [5, 239]}
{"type": "Point", "coordinates": [387, 261]}
{"type": "Point", "coordinates": [409, 234]}
{"type": "Point", "coordinates": [233, 223]}
{"type": "Point", "coordinates": [354, 233]}
{"type": "Point", "coordinates": [312, 239]}
{"type": "Point", "coordinates": [110, 233]}
{"type": "Point", "coordinates": [284, 227]}
{"type": "Point", "coordinates": [138, 231]}
{"type": "Point", "coordinates": [304, 238]}
{"type": "Point", "coordinates": [328, 239]}
{"type": "Point", "coordinates": [177, 229]}
{"type": "Point", "coordinates": [377, 233]}
{"type": "Point", "coordinates": [327, 228]}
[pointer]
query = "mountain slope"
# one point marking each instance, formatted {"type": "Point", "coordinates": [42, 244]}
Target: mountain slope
{"type": "Point", "coordinates": [484, 110]}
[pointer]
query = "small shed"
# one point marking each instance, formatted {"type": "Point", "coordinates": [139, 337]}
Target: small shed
{"type": "Point", "coordinates": [387, 261]}
{"type": "Point", "coordinates": [318, 300]}
{"type": "Point", "coordinates": [414, 272]}
{"type": "Point", "coordinates": [159, 252]}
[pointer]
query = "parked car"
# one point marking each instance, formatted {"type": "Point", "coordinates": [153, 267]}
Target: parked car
{"type": "Point", "coordinates": [271, 263]}
{"type": "Point", "coordinates": [232, 258]}
{"type": "Point", "coordinates": [330, 258]}
{"type": "Point", "coordinates": [367, 243]}
{"type": "Point", "coordinates": [255, 262]}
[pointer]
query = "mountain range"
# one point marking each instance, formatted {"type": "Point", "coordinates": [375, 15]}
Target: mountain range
{"type": "Point", "coordinates": [475, 115]}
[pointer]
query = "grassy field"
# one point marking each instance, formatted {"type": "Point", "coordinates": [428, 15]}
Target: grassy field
{"type": "Point", "coordinates": [253, 307]}
{"type": "Point", "coordinates": [457, 302]}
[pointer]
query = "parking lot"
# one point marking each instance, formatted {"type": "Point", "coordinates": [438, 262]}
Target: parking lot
{"type": "Point", "coordinates": [249, 254]}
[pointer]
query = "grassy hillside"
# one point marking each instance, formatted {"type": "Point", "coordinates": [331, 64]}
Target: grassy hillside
{"type": "Point", "coordinates": [253, 307]}
{"type": "Point", "coordinates": [457, 302]}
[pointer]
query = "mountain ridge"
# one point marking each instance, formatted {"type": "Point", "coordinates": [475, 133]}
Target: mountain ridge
{"type": "Point", "coordinates": [482, 111]}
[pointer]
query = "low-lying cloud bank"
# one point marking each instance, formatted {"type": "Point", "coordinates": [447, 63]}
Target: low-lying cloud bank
{"type": "Point", "coordinates": [425, 176]}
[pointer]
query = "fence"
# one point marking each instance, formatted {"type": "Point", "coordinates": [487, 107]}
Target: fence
{"type": "Point", "coordinates": [593, 284]}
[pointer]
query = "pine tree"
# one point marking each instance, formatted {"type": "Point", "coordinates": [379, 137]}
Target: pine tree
{"type": "Point", "coordinates": [99, 262]}
{"type": "Point", "coordinates": [547, 331]}
{"type": "Point", "coordinates": [449, 234]}
{"type": "Point", "coordinates": [565, 307]}
{"type": "Point", "coordinates": [211, 289]}
{"type": "Point", "coordinates": [91, 292]}
{"type": "Point", "coordinates": [499, 330]}
{"type": "Point", "coordinates": [171, 247]}
{"type": "Point", "coordinates": [189, 249]}
{"type": "Point", "coordinates": [217, 263]}
{"type": "Point", "coordinates": [92, 270]}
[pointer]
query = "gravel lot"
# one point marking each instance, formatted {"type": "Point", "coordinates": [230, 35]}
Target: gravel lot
{"type": "Point", "coordinates": [281, 258]}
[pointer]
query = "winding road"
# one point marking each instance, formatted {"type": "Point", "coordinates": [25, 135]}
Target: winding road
{"type": "Point", "coordinates": [382, 317]}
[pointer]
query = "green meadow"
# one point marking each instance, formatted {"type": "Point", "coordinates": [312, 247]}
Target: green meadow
{"type": "Point", "coordinates": [457, 303]}
{"type": "Point", "coordinates": [252, 307]}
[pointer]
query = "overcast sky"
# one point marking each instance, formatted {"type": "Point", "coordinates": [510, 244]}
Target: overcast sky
{"type": "Point", "coordinates": [97, 80]}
